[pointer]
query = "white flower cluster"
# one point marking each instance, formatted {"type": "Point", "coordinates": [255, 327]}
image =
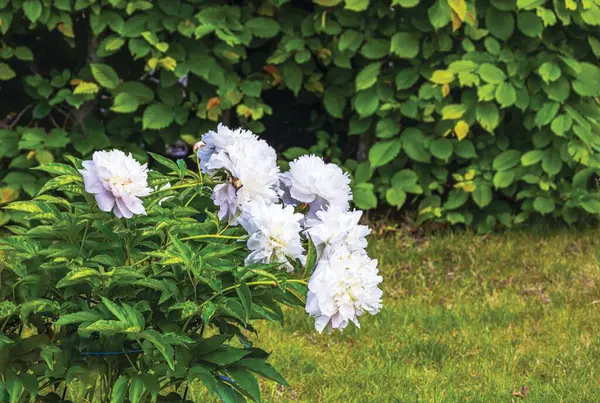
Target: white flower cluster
{"type": "Point", "coordinates": [265, 202]}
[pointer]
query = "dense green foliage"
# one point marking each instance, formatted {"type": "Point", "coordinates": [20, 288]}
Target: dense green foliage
{"type": "Point", "coordinates": [480, 112]}
{"type": "Point", "coordinates": [96, 308]}
{"type": "Point", "coordinates": [466, 318]}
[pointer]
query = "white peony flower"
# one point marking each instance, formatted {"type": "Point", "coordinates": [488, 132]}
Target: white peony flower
{"type": "Point", "coordinates": [333, 228]}
{"type": "Point", "coordinates": [310, 180]}
{"type": "Point", "coordinates": [251, 167]}
{"type": "Point", "coordinates": [117, 181]}
{"type": "Point", "coordinates": [215, 142]}
{"type": "Point", "coordinates": [274, 233]}
{"type": "Point", "coordinates": [342, 288]}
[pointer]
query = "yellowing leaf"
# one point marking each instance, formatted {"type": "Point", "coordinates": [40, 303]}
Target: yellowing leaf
{"type": "Point", "coordinates": [7, 195]}
{"type": "Point", "coordinates": [213, 103]}
{"type": "Point", "coordinates": [86, 88]}
{"type": "Point", "coordinates": [461, 129]}
{"type": "Point", "coordinates": [470, 175]}
{"type": "Point", "coordinates": [571, 5]}
{"type": "Point", "coordinates": [454, 111]}
{"type": "Point", "coordinates": [468, 187]}
{"type": "Point", "coordinates": [168, 63]}
{"type": "Point", "coordinates": [445, 90]}
{"type": "Point", "coordinates": [459, 7]}
{"type": "Point", "coordinates": [456, 21]}
{"type": "Point", "coordinates": [152, 63]}
{"type": "Point", "coordinates": [66, 30]}
{"type": "Point", "coordinates": [442, 77]}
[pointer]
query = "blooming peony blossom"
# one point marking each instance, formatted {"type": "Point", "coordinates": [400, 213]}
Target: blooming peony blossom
{"type": "Point", "coordinates": [310, 180]}
{"type": "Point", "coordinates": [342, 288]}
{"type": "Point", "coordinates": [250, 165]}
{"type": "Point", "coordinates": [117, 181]}
{"type": "Point", "coordinates": [333, 228]}
{"type": "Point", "coordinates": [215, 142]}
{"type": "Point", "coordinates": [274, 233]}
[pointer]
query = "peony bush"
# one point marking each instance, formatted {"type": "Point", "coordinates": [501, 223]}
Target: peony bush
{"type": "Point", "coordinates": [130, 284]}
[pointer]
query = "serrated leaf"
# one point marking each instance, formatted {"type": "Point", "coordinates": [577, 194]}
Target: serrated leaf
{"type": "Point", "coordinates": [368, 76]}
{"type": "Point", "coordinates": [383, 152]}
{"type": "Point", "coordinates": [105, 75]}
{"type": "Point", "coordinates": [157, 116]}
{"type": "Point", "coordinates": [32, 9]}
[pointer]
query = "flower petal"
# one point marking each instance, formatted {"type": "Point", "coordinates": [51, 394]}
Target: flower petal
{"type": "Point", "coordinates": [105, 200]}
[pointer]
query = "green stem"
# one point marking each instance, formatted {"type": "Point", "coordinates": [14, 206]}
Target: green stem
{"type": "Point", "coordinates": [210, 236]}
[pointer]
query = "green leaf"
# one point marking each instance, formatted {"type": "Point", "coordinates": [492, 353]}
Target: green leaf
{"type": "Point", "coordinates": [491, 74]}
{"type": "Point", "coordinates": [441, 148]}
{"type": "Point", "coordinates": [78, 317]}
{"type": "Point", "coordinates": [157, 341]}
{"type": "Point", "coordinates": [506, 95]}
{"type": "Point", "coordinates": [246, 381]}
{"type": "Point", "coordinates": [292, 75]}
{"type": "Point", "coordinates": [366, 102]}
{"type": "Point", "coordinates": [364, 197]}
{"type": "Point", "coordinates": [456, 198]}
{"type": "Point", "coordinates": [543, 205]}
{"type": "Point", "coordinates": [263, 27]}
{"type": "Point", "coordinates": [119, 389]}
{"type": "Point", "coordinates": [405, 45]}
{"type": "Point", "coordinates": [501, 24]}
{"type": "Point", "coordinates": [549, 72]}
{"type": "Point", "coordinates": [561, 124]}
{"type": "Point", "coordinates": [414, 145]}
{"type": "Point", "coordinates": [32, 9]}
{"type": "Point", "coordinates": [592, 206]}
{"type": "Point", "coordinates": [311, 256]}
{"type": "Point", "coordinates": [488, 116]}
{"type": "Point", "coordinates": [357, 5]}
{"type": "Point", "coordinates": [23, 53]}
{"type": "Point", "coordinates": [263, 369]}
{"type": "Point", "coordinates": [136, 389]}
{"type": "Point", "coordinates": [532, 157]}
{"type": "Point", "coordinates": [395, 197]}
{"type": "Point", "coordinates": [552, 162]}
{"type": "Point", "coordinates": [386, 128]}
{"type": "Point", "coordinates": [157, 116]}
{"type": "Point", "coordinates": [6, 72]}
{"type": "Point", "coordinates": [439, 14]}
{"type": "Point", "coordinates": [57, 169]}
{"type": "Point", "coordinates": [105, 75]}
{"type": "Point", "coordinates": [225, 357]}
{"type": "Point", "coordinates": [530, 24]}
{"type": "Point", "coordinates": [208, 310]}
{"type": "Point", "coordinates": [375, 48]}
{"type": "Point", "coordinates": [546, 114]}
{"type": "Point", "coordinates": [368, 76]}
{"type": "Point", "coordinates": [482, 196]}
{"type": "Point", "coordinates": [245, 297]}
{"type": "Point", "coordinates": [383, 152]}
{"type": "Point", "coordinates": [125, 103]}
{"type": "Point", "coordinates": [334, 101]}
{"type": "Point", "coordinates": [503, 179]}
{"type": "Point", "coordinates": [587, 83]}
{"type": "Point", "coordinates": [58, 182]}
{"type": "Point", "coordinates": [506, 160]}
{"type": "Point", "coordinates": [406, 78]}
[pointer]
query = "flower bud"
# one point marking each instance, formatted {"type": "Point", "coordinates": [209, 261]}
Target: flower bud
{"type": "Point", "coordinates": [303, 208]}
{"type": "Point", "coordinates": [198, 145]}
{"type": "Point", "coordinates": [236, 183]}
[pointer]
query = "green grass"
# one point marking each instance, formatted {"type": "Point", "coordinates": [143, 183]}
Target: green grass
{"type": "Point", "coordinates": [465, 318]}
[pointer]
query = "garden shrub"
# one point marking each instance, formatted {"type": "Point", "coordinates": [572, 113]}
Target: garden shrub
{"type": "Point", "coordinates": [477, 112]}
{"type": "Point", "coordinates": [126, 285]}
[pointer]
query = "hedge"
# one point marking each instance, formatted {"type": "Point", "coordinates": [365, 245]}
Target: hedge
{"type": "Point", "coordinates": [476, 112]}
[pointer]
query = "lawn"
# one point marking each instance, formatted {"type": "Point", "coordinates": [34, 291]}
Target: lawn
{"type": "Point", "coordinates": [466, 318]}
